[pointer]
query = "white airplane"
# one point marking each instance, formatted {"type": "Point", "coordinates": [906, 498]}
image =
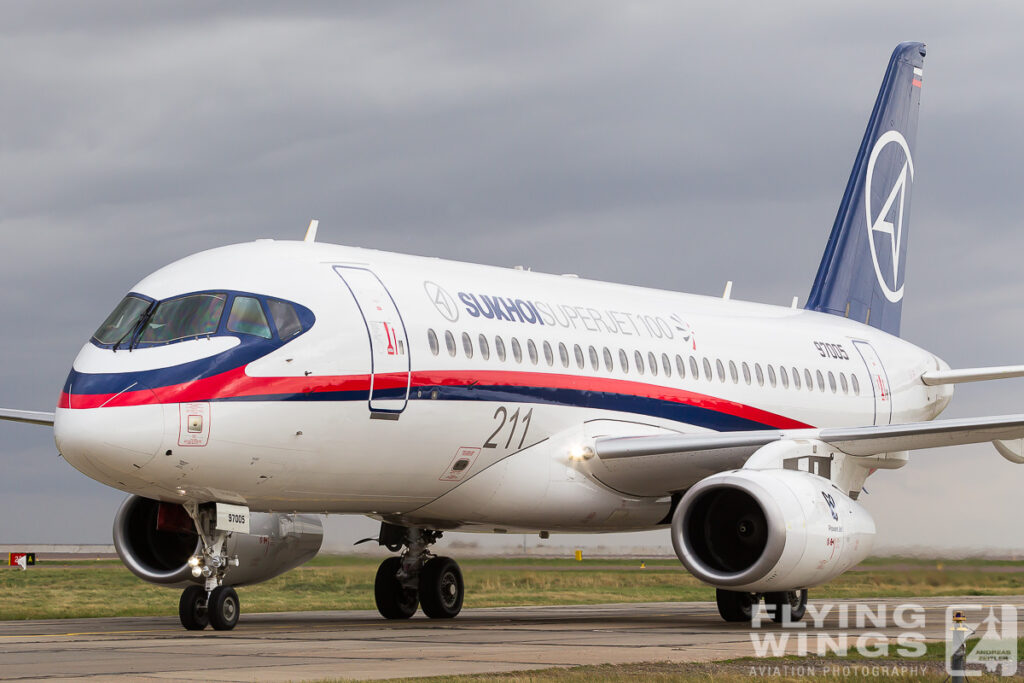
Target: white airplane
{"type": "Point", "coordinates": [236, 391]}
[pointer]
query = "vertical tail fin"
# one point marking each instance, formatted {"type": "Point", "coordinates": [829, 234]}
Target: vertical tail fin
{"type": "Point", "coordinates": [863, 270]}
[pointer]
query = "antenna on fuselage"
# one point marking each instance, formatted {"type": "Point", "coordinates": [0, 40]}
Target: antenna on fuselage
{"type": "Point", "coordinates": [311, 231]}
{"type": "Point", "coordinates": [727, 294]}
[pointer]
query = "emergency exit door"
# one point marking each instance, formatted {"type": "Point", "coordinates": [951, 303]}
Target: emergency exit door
{"type": "Point", "coordinates": [389, 343]}
{"type": "Point", "coordinates": [879, 382]}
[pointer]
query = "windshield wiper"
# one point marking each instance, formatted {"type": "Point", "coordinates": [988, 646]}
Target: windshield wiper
{"type": "Point", "coordinates": [142, 319]}
{"type": "Point", "coordinates": [123, 337]}
{"type": "Point", "coordinates": [141, 325]}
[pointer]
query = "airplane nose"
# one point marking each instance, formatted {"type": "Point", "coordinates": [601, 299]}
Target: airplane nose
{"type": "Point", "coordinates": [112, 444]}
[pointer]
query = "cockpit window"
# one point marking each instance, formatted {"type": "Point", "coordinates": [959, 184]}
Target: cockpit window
{"type": "Point", "coordinates": [119, 324]}
{"type": "Point", "coordinates": [247, 317]}
{"type": "Point", "coordinates": [187, 316]}
{"type": "Point", "coordinates": [285, 317]}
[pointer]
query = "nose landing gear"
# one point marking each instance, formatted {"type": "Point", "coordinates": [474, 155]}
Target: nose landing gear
{"type": "Point", "coordinates": [417, 577]}
{"type": "Point", "coordinates": [213, 603]}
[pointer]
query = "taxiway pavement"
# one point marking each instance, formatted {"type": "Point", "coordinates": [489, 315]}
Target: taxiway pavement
{"type": "Point", "coordinates": [359, 644]}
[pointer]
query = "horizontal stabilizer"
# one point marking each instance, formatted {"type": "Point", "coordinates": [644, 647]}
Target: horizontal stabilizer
{"type": "Point", "coordinates": [971, 375]}
{"type": "Point", "coordinates": [29, 416]}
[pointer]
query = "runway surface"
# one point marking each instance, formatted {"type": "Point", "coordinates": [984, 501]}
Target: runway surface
{"type": "Point", "coordinates": [359, 644]}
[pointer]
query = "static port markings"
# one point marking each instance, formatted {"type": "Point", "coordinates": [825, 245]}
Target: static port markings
{"type": "Point", "coordinates": [502, 416]}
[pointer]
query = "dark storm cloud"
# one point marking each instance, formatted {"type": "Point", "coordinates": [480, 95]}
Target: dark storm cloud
{"type": "Point", "coordinates": [664, 144]}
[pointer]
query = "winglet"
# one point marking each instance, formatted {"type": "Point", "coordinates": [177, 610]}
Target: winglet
{"type": "Point", "coordinates": [311, 231]}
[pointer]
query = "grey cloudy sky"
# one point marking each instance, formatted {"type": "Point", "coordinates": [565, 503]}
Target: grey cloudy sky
{"type": "Point", "coordinates": [665, 144]}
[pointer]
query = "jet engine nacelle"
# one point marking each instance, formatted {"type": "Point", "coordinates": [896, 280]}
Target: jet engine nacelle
{"type": "Point", "coordinates": [275, 543]}
{"type": "Point", "coordinates": [769, 530]}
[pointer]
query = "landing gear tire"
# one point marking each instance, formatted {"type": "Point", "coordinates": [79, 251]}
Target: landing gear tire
{"type": "Point", "coordinates": [192, 609]}
{"type": "Point", "coordinates": [787, 606]}
{"type": "Point", "coordinates": [223, 608]}
{"type": "Point", "coordinates": [735, 606]}
{"type": "Point", "coordinates": [441, 588]}
{"type": "Point", "coordinates": [394, 601]}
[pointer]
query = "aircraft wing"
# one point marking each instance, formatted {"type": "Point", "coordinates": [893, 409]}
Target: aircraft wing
{"type": "Point", "coordinates": [29, 416]}
{"type": "Point", "coordinates": [656, 464]}
{"type": "Point", "coordinates": [861, 441]}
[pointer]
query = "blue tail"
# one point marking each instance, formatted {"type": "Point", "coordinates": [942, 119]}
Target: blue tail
{"type": "Point", "coordinates": [863, 270]}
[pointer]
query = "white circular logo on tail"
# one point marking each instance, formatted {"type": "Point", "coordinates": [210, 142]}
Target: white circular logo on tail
{"type": "Point", "coordinates": [879, 223]}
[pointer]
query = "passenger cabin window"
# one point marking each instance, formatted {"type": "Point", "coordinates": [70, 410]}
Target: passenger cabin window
{"type": "Point", "coordinates": [652, 363]}
{"type": "Point", "coordinates": [760, 374]}
{"type": "Point", "coordinates": [467, 344]}
{"type": "Point", "coordinates": [843, 384]}
{"type": "Point", "coordinates": [771, 376]}
{"type": "Point", "coordinates": [666, 365]}
{"type": "Point", "coordinates": [563, 354]}
{"type": "Point", "coordinates": [435, 348]}
{"type": "Point", "coordinates": [531, 351]}
{"type": "Point", "coordinates": [855, 383]}
{"type": "Point", "coordinates": [549, 356]}
{"type": "Point", "coordinates": [746, 372]}
{"type": "Point", "coordinates": [624, 360]}
{"type": "Point", "coordinates": [796, 379]}
{"type": "Point", "coordinates": [707, 369]}
{"type": "Point", "coordinates": [194, 315]}
{"type": "Point", "coordinates": [680, 367]}
{"type": "Point", "coordinates": [485, 349]}
{"type": "Point", "coordinates": [499, 348]}
{"type": "Point", "coordinates": [121, 321]}
{"type": "Point", "coordinates": [609, 363]}
{"type": "Point", "coordinates": [517, 350]}
{"type": "Point", "coordinates": [821, 381]}
{"type": "Point", "coordinates": [578, 352]}
{"type": "Point", "coordinates": [721, 369]}
{"type": "Point", "coordinates": [595, 360]}
{"type": "Point", "coordinates": [831, 381]}
{"type": "Point", "coordinates": [286, 319]}
{"type": "Point", "coordinates": [784, 377]}
{"type": "Point", "coordinates": [638, 360]}
{"type": "Point", "coordinates": [808, 381]}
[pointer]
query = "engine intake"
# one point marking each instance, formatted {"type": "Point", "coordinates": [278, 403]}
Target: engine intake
{"type": "Point", "coordinates": [761, 530]}
{"type": "Point", "coordinates": [154, 540]}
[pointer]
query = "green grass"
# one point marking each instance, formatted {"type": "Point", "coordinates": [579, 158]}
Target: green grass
{"type": "Point", "coordinates": [99, 588]}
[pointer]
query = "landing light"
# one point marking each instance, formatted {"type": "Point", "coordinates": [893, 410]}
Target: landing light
{"type": "Point", "coordinates": [581, 453]}
{"type": "Point", "coordinates": [194, 561]}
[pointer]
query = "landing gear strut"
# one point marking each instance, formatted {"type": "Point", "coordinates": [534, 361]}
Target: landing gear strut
{"type": "Point", "coordinates": [417, 577]}
{"type": "Point", "coordinates": [213, 603]}
{"type": "Point", "coordinates": [784, 606]}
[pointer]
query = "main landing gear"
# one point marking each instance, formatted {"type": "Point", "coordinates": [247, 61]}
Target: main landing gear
{"type": "Point", "coordinates": [212, 603]}
{"type": "Point", "coordinates": [783, 607]}
{"type": "Point", "coordinates": [417, 577]}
